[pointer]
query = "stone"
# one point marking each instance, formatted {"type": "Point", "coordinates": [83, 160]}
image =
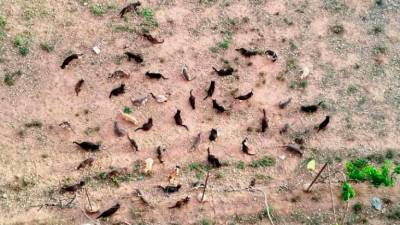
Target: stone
{"type": "Point", "coordinates": [96, 50]}
{"type": "Point", "coordinates": [376, 203]}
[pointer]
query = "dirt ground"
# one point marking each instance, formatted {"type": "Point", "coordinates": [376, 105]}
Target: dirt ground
{"type": "Point", "coordinates": [350, 48]}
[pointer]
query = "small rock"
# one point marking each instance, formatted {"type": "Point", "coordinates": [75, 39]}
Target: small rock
{"type": "Point", "coordinates": [376, 203]}
{"type": "Point", "coordinates": [92, 208]}
{"type": "Point", "coordinates": [200, 196]}
{"type": "Point", "coordinates": [149, 165]}
{"type": "Point", "coordinates": [96, 50]}
{"type": "Point", "coordinates": [4, 195]}
{"type": "Point", "coordinates": [282, 157]}
{"type": "Point", "coordinates": [304, 72]}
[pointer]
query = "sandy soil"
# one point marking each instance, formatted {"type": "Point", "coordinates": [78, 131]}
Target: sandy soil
{"type": "Point", "coordinates": [360, 89]}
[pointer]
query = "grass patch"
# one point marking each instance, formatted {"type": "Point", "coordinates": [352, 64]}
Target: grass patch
{"type": "Point", "coordinates": [360, 170]}
{"type": "Point", "coordinates": [127, 110]}
{"type": "Point", "coordinates": [337, 29]}
{"type": "Point", "coordinates": [266, 161]}
{"type": "Point", "coordinates": [34, 124]}
{"type": "Point", "coordinates": [347, 191]}
{"type": "Point", "coordinates": [149, 21]}
{"type": "Point", "coordinates": [206, 222]}
{"type": "Point", "coordinates": [21, 42]}
{"type": "Point", "coordinates": [10, 78]}
{"type": "Point", "coordinates": [3, 23]}
{"type": "Point", "coordinates": [240, 165]}
{"type": "Point", "coordinates": [380, 49]}
{"type": "Point", "coordinates": [97, 9]}
{"type": "Point", "coordinates": [301, 84]}
{"type": "Point", "coordinates": [199, 168]}
{"type": "Point", "coordinates": [46, 46]}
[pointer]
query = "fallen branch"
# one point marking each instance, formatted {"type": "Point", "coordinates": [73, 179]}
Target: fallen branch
{"type": "Point", "coordinates": [205, 186]}
{"type": "Point", "coordinates": [143, 198]}
{"type": "Point", "coordinates": [316, 177]}
{"type": "Point", "coordinates": [330, 189]}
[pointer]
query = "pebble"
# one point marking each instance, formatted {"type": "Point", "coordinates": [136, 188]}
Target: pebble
{"type": "Point", "coordinates": [200, 195]}
{"type": "Point", "coordinates": [96, 50]}
{"type": "Point", "coordinates": [376, 203]}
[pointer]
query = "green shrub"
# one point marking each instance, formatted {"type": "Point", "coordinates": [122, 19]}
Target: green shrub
{"type": "Point", "coordinates": [266, 161]}
{"type": "Point", "coordinates": [45, 46]}
{"type": "Point", "coordinates": [347, 191]}
{"type": "Point", "coordinates": [97, 10]}
{"type": "Point", "coordinates": [361, 170]}
{"type": "Point", "coordinates": [127, 110]}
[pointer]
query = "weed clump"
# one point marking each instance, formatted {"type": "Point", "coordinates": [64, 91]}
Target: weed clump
{"type": "Point", "coordinates": [266, 161]}
{"type": "Point", "coordinates": [21, 42]}
{"type": "Point", "coordinates": [347, 191]}
{"type": "Point", "coordinates": [360, 170]}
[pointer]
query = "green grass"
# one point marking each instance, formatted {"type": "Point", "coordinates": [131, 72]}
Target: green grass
{"type": "Point", "coordinates": [240, 165]}
{"type": "Point", "coordinates": [378, 29]}
{"type": "Point", "coordinates": [266, 161]}
{"type": "Point", "coordinates": [347, 191]}
{"type": "Point", "coordinates": [357, 207]}
{"type": "Point", "coordinates": [360, 170]}
{"type": "Point", "coordinates": [10, 78]}
{"type": "Point", "coordinates": [46, 46]}
{"type": "Point", "coordinates": [351, 89]}
{"type": "Point", "coordinates": [301, 84]}
{"type": "Point", "coordinates": [199, 168]}
{"type": "Point", "coordinates": [224, 44]}
{"type": "Point", "coordinates": [97, 10]}
{"type": "Point", "coordinates": [127, 110]}
{"type": "Point", "coordinates": [149, 21]}
{"type": "Point", "coordinates": [3, 23]}
{"type": "Point", "coordinates": [337, 29]}
{"type": "Point", "coordinates": [380, 49]}
{"type": "Point", "coordinates": [21, 42]}
{"type": "Point", "coordinates": [34, 124]}
{"type": "Point", "coordinates": [205, 222]}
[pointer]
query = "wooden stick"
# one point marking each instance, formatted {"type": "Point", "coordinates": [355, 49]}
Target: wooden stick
{"type": "Point", "coordinates": [87, 196]}
{"type": "Point", "coordinates": [330, 189]}
{"type": "Point", "coordinates": [205, 186]}
{"type": "Point", "coordinates": [316, 177]}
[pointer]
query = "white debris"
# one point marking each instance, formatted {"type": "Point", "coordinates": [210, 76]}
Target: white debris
{"type": "Point", "coordinates": [96, 50]}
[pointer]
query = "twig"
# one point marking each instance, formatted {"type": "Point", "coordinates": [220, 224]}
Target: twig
{"type": "Point", "coordinates": [330, 189]}
{"type": "Point", "coordinates": [205, 186]}
{"type": "Point", "coordinates": [87, 196]}
{"type": "Point", "coordinates": [316, 177]}
{"type": "Point", "coordinates": [345, 212]}
{"type": "Point", "coordinates": [265, 202]}
{"type": "Point", "coordinates": [143, 198]}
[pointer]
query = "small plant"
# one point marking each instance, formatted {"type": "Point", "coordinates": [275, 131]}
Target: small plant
{"type": "Point", "coordinates": [127, 110]}
{"type": "Point", "coordinates": [397, 169]}
{"type": "Point", "coordinates": [3, 23]}
{"type": "Point", "coordinates": [21, 42]}
{"type": "Point", "coordinates": [240, 165]}
{"type": "Point", "coordinates": [351, 89]}
{"type": "Point", "coordinates": [357, 207]}
{"type": "Point", "coordinates": [380, 49]}
{"type": "Point", "coordinates": [266, 161]}
{"type": "Point", "coordinates": [205, 222]}
{"type": "Point", "coordinates": [347, 192]}
{"type": "Point", "coordinates": [149, 22]}
{"type": "Point", "coordinates": [97, 10]}
{"type": "Point", "coordinates": [45, 46]}
{"type": "Point", "coordinates": [34, 124]}
{"type": "Point", "coordinates": [337, 29]}
{"type": "Point", "coordinates": [378, 29]}
{"type": "Point", "coordinates": [224, 44]}
{"type": "Point", "coordinates": [199, 168]}
{"type": "Point", "coordinates": [361, 170]}
{"type": "Point", "coordinates": [9, 78]}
